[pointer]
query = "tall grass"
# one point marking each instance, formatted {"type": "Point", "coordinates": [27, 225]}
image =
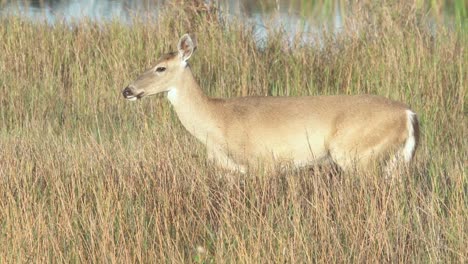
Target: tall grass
{"type": "Point", "coordinates": [88, 177]}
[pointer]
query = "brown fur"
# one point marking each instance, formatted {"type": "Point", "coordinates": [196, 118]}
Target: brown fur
{"type": "Point", "coordinates": [351, 131]}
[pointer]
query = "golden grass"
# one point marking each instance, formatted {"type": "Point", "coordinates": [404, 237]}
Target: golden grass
{"type": "Point", "coordinates": [88, 177]}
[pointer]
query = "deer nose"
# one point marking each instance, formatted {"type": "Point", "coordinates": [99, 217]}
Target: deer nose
{"type": "Point", "coordinates": [127, 92]}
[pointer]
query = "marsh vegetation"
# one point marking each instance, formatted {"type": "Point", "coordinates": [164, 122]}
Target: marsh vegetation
{"type": "Point", "coordinates": [87, 177]}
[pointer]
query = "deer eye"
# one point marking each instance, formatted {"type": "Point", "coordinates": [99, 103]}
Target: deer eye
{"type": "Point", "coordinates": [160, 69]}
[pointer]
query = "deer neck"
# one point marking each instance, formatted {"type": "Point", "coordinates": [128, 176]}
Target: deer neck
{"type": "Point", "coordinates": [193, 107]}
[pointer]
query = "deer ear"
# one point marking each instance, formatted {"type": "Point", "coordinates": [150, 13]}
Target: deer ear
{"type": "Point", "coordinates": [186, 47]}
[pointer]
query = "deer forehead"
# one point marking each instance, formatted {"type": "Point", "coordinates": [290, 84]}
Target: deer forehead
{"type": "Point", "coordinates": [168, 58]}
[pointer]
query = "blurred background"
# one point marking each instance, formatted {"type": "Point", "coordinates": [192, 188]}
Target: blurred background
{"type": "Point", "coordinates": [293, 16]}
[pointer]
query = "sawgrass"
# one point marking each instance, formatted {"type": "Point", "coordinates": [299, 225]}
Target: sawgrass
{"type": "Point", "coordinates": [88, 177]}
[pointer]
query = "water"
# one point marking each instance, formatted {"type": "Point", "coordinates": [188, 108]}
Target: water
{"type": "Point", "coordinates": [72, 10]}
{"type": "Point", "coordinates": [293, 16]}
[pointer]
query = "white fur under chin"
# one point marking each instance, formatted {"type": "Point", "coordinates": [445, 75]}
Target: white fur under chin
{"type": "Point", "coordinates": [132, 99]}
{"type": "Point", "coordinates": [410, 144]}
{"type": "Point", "coordinates": [172, 91]}
{"type": "Point", "coordinates": [172, 95]}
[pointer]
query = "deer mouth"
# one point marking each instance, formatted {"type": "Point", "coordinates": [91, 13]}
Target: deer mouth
{"type": "Point", "coordinates": [129, 95]}
{"type": "Point", "coordinates": [140, 95]}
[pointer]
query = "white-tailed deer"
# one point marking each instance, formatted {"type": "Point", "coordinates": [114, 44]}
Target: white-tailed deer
{"type": "Point", "coordinates": [351, 131]}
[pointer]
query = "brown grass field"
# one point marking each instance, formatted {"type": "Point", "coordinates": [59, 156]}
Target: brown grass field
{"type": "Point", "coordinates": [87, 177]}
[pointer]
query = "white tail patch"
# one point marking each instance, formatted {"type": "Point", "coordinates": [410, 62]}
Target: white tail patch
{"type": "Point", "coordinates": [407, 152]}
{"type": "Point", "coordinates": [410, 144]}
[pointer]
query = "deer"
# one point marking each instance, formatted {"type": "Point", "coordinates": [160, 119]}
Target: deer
{"type": "Point", "coordinates": [349, 131]}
